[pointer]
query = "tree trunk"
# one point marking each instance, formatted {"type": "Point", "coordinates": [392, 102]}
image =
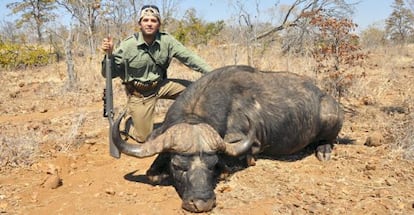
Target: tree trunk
{"type": "Point", "coordinates": [71, 82]}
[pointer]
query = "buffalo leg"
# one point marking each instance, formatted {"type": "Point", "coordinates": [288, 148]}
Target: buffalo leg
{"type": "Point", "coordinates": [331, 122]}
{"type": "Point", "coordinates": [323, 151]}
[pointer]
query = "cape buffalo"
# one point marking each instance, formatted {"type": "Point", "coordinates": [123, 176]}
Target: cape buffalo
{"type": "Point", "coordinates": [228, 116]}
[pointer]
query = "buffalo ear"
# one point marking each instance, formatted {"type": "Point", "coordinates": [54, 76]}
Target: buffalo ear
{"type": "Point", "coordinates": [240, 147]}
{"type": "Point", "coordinates": [245, 144]}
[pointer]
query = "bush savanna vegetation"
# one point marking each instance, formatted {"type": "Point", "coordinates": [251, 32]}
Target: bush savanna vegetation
{"type": "Point", "coordinates": [51, 106]}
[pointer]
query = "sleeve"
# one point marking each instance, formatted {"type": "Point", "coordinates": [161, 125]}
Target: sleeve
{"type": "Point", "coordinates": [116, 64]}
{"type": "Point", "coordinates": [189, 58]}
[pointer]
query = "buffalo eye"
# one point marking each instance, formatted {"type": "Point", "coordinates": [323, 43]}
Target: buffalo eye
{"type": "Point", "coordinates": [180, 163]}
{"type": "Point", "coordinates": [210, 161]}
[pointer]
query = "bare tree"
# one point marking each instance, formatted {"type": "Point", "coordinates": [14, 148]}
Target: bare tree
{"type": "Point", "coordinates": [410, 4]}
{"type": "Point", "coordinates": [135, 10]}
{"type": "Point", "coordinates": [119, 18]}
{"type": "Point", "coordinates": [9, 32]}
{"type": "Point", "coordinates": [373, 36]}
{"type": "Point", "coordinates": [71, 83]}
{"type": "Point", "coordinates": [66, 38]}
{"type": "Point", "coordinates": [168, 10]}
{"type": "Point", "coordinates": [300, 10]}
{"type": "Point", "coordinates": [86, 13]}
{"type": "Point", "coordinates": [400, 24]}
{"type": "Point", "coordinates": [249, 33]}
{"type": "Point", "coordinates": [293, 27]}
{"type": "Point", "coordinates": [38, 12]}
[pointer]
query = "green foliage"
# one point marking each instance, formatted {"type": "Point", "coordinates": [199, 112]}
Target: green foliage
{"type": "Point", "coordinates": [194, 31]}
{"type": "Point", "coordinates": [21, 56]}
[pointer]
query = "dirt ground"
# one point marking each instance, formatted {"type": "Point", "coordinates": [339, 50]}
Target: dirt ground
{"type": "Point", "coordinates": [55, 160]}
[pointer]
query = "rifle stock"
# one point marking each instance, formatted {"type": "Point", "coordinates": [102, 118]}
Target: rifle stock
{"type": "Point", "coordinates": [109, 106]}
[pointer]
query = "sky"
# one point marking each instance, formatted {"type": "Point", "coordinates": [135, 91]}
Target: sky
{"type": "Point", "coordinates": [368, 12]}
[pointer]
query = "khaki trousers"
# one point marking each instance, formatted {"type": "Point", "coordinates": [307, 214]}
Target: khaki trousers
{"type": "Point", "coordinates": [142, 109]}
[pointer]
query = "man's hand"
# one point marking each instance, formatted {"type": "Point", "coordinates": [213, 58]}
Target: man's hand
{"type": "Point", "coordinates": [107, 45]}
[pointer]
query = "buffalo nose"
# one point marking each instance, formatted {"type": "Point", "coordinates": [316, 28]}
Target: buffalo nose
{"type": "Point", "coordinates": [199, 205]}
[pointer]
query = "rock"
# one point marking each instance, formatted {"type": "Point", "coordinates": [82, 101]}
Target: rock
{"type": "Point", "coordinates": [374, 140]}
{"type": "Point", "coordinates": [366, 100]}
{"type": "Point", "coordinates": [370, 167]}
{"type": "Point", "coordinates": [3, 207]}
{"type": "Point", "coordinates": [52, 182]}
{"type": "Point", "coordinates": [110, 191]}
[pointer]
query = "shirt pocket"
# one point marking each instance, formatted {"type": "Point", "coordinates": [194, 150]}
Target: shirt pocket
{"type": "Point", "coordinates": [163, 59]}
{"type": "Point", "coordinates": [137, 67]}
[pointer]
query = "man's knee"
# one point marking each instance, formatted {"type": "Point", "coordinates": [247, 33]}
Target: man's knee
{"type": "Point", "coordinates": [132, 131]}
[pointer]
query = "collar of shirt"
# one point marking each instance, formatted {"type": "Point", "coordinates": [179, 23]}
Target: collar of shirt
{"type": "Point", "coordinates": [141, 41]}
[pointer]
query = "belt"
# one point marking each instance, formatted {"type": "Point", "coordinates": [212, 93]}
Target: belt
{"type": "Point", "coordinates": [139, 88]}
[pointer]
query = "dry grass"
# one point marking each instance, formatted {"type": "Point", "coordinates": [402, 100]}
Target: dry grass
{"type": "Point", "coordinates": [43, 124]}
{"type": "Point", "coordinates": [67, 119]}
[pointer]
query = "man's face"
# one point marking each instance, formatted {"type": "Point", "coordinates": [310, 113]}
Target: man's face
{"type": "Point", "coordinates": [149, 25]}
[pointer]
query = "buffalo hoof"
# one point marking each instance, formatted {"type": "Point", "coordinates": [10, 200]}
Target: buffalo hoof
{"type": "Point", "coordinates": [251, 160]}
{"type": "Point", "coordinates": [199, 205]}
{"type": "Point", "coordinates": [323, 152]}
{"type": "Point", "coordinates": [224, 176]}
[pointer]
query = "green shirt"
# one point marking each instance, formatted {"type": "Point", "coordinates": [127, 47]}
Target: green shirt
{"type": "Point", "coordinates": [142, 67]}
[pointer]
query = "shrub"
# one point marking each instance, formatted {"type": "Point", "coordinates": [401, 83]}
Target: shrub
{"type": "Point", "coordinates": [336, 50]}
{"type": "Point", "coordinates": [193, 31]}
{"type": "Point", "coordinates": [21, 56]}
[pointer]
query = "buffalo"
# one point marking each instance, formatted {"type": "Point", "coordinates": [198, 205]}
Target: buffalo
{"type": "Point", "coordinates": [228, 117]}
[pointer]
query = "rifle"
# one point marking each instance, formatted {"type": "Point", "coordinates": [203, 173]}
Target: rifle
{"type": "Point", "coordinates": [108, 110]}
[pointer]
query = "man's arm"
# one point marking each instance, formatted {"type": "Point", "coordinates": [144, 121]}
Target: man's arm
{"type": "Point", "coordinates": [115, 58]}
{"type": "Point", "coordinates": [189, 58]}
{"type": "Point", "coordinates": [116, 66]}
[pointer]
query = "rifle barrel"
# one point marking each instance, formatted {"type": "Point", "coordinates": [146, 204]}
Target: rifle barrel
{"type": "Point", "coordinates": [109, 106]}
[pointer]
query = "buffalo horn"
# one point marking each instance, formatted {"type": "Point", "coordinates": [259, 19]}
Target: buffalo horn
{"type": "Point", "coordinates": [242, 146]}
{"type": "Point", "coordinates": [146, 149]}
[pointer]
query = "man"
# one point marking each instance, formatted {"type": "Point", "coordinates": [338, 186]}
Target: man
{"type": "Point", "coordinates": [141, 61]}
